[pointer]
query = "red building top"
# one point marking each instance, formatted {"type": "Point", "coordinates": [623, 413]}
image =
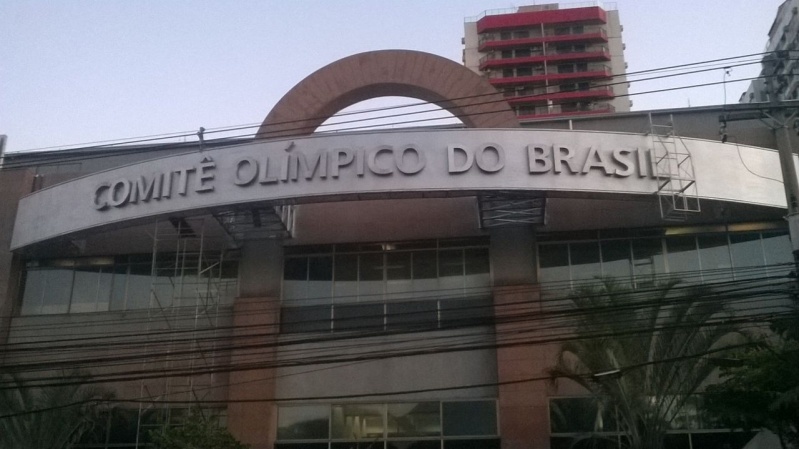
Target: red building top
{"type": "Point", "coordinates": [593, 14]}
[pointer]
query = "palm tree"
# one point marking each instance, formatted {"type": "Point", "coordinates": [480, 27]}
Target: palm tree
{"type": "Point", "coordinates": [51, 417]}
{"type": "Point", "coordinates": [643, 353]}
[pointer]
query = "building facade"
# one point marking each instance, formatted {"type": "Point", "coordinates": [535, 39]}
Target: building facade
{"type": "Point", "coordinates": [551, 60]}
{"type": "Point", "coordinates": [391, 289]}
{"type": "Point", "coordinates": [779, 66]}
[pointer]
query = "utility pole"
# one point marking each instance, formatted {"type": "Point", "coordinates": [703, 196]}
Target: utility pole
{"type": "Point", "coordinates": [783, 120]}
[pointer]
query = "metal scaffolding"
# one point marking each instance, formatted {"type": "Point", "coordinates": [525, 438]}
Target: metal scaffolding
{"type": "Point", "coordinates": [673, 168]}
{"type": "Point", "coordinates": [188, 286]}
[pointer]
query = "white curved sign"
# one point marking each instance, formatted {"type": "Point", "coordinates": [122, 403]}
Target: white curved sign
{"type": "Point", "coordinates": [306, 169]}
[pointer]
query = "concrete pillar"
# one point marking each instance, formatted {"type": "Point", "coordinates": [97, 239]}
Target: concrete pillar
{"type": "Point", "coordinates": [523, 407]}
{"type": "Point", "coordinates": [256, 321]}
{"type": "Point", "coordinates": [13, 185]}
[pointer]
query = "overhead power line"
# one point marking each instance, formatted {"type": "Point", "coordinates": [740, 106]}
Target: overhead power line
{"type": "Point", "coordinates": [235, 128]}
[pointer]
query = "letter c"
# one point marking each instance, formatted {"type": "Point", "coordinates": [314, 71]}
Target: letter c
{"type": "Point", "coordinates": [371, 161]}
{"type": "Point", "coordinates": [99, 203]}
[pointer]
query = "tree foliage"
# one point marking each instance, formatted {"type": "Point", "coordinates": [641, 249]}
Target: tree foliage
{"type": "Point", "coordinates": [199, 431]}
{"type": "Point", "coordinates": [644, 353]}
{"type": "Point", "coordinates": [762, 390]}
{"type": "Point", "coordinates": [47, 417]}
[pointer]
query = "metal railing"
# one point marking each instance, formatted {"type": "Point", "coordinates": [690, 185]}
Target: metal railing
{"type": "Point", "coordinates": [607, 6]}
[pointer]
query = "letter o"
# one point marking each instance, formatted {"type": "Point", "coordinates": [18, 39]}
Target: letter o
{"type": "Point", "coordinates": [251, 172]}
{"type": "Point", "coordinates": [101, 205]}
{"type": "Point", "coordinates": [486, 165]}
{"type": "Point", "coordinates": [406, 168]}
{"type": "Point", "coordinates": [120, 193]}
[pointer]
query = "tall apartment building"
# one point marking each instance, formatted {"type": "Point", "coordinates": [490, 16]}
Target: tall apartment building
{"type": "Point", "coordinates": [783, 38]}
{"type": "Point", "coordinates": [551, 60]}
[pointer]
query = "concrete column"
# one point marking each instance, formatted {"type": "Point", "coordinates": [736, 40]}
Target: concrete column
{"type": "Point", "coordinates": [523, 408]}
{"type": "Point", "coordinates": [256, 321]}
{"type": "Point", "coordinates": [13, 185]}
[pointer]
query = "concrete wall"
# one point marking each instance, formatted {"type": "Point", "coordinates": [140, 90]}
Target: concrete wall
{"type": "Point", "coordinates": [617, 63]}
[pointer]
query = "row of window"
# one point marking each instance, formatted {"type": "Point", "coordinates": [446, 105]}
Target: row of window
{"type": "Point", "coordinates": [702, 258]}
{"type": "Point", "coordinates": [122, 428]}
{"type": "Point", "coordinates": [538, 50]}
{"type": "Point", "coordinates": [572, 419]}
{"type": "Point", "coordinates": [342, 277]}
{"type": "Point", "coordinates": [388, 316]}
{"type": "Point", "coordinates": [391, 425]}
{"type": "Point", "coordinates": [125, 283]}
{"type": "Point", "coordinates": [539, 69]}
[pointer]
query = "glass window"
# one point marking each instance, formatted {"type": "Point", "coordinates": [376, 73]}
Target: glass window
{"type": "Point", "coordinates": [58, 288]}
{"type": "Point", "coordinates": [139, 281]}
{"type": "Point", "coordinates": [346, 277]}
{"type": "Point", "coordinates": [370, 275]}
{"type": "Point", "coordinates": [295, 269]}
{"type": "Point", "coordinates": [585, 261]}
{"type": "Point", "coordinates": [305, 319]}
{"type": "Point", "coordinates": [119, 288]}
{"type": "Point", "coordinates": [34, 292]}
{"type": "Point", "coordinates": [523, 53]}
{"type": "Point", "coordinates": [747, 252]}
{"type": "Point", "coordinates": [647, 259]}
{"type": "Point", "coordinates": [425, 265]}
{"type": "Point", "coordinates": [85, 291]}
{"type": "Point", "coordinates": [411, 314]}
{"type": "Point", "coordinates": [524, 71]}
{"type": "Point", "coordinates": [362, 317]}
{"type": "Point", "coordinates": [683, 257]}
{"type": "Point", "coordinates": [466, 418]}
{"type": "Point", "coordinates": [450, 263]}
{"type": "Point", "coordinates": [357, 421]}
{"type": "Point", "coordinates": [305, 422]}
{"type": "Point", "coordinates": [577, 415]}
{"type": "Point", "coordinates": [714, 255]}
{"type": "Point", "coordinates": [320, 279]}
{"type": "Point", "coordinates": [777, 247]}
{"type": "Point", "coordinates": [415, 419]}
{"type": "Point", "coordinates": [616, 260]}
{"type": "Point", "coordinates": [466, 312]}
{"type": "Point", "coordinates": [553, 263]}
{"type": "Point", "coordinates": [398, 275]}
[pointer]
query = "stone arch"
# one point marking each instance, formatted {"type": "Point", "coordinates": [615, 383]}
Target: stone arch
{"type": "Point", "coordinates": [382, 73]}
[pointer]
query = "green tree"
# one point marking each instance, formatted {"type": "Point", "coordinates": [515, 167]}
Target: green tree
{"type": "Point", "coordinates": [643, 353]}
{"type": "Point", "coordinates": [762, 389]}
{"type": "Point", "coordinates": [47, 417]}
{"type": "Point", "coordinates": [200, 430]}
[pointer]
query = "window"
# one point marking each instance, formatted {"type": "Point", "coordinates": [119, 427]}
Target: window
{"type": "Point", "coordinates": [417, 425]}
{"type": "Point", "coordinates": [521, 34]}
{"type": "Point", "coordinates": [99, 284]}
{"type": "Point", "coordinates": [391, 286]}
{"type": "Point", "coordinates": [524, 71]}
{"type": "Point", "coordinates": [640, 261]}
{"type": "Point", "coordinates": [586, 422]}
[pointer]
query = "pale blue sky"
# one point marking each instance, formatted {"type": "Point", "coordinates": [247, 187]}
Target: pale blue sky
{"type": "Point", "coordinates": [78, 71]}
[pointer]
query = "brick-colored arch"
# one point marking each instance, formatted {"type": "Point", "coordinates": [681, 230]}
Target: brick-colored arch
{"type": "Point", "coordinates": [406, 73]}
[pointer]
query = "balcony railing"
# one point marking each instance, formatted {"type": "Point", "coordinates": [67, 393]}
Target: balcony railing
{"type": "Point", "coordinates": [564, 109]}
{"type": "Point", "coordinates": [498, 78]}
{"type": "Point", "coordinates": [535, 36]}
{"type": "Point", "coordinates": [496, 59]}
{"type": "Point", "coordinates": [539, 95]}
